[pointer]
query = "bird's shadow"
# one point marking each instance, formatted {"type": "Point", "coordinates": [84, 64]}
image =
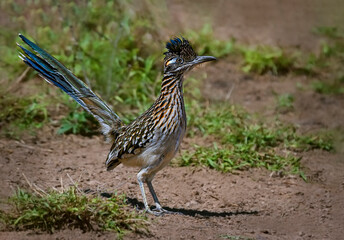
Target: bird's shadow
{"type": "Point", "coordinates": [187, 212]}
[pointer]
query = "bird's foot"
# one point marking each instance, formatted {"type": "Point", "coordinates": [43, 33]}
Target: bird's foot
{"type": "Point", "coordinates": [158, 211]}
{"type": "Point", "coordinates": [155, 212]}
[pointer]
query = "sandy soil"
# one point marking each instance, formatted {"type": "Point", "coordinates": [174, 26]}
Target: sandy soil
{"type": "Point", "coordinates": [252, 204]}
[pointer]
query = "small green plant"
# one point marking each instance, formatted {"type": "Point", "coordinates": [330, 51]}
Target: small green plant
{"type": "Point", "coordinates": [78, 122]}
{"type": "Point", "coordinates": [53, 210]}
{"type": "Point", "coordinates": [207, 44]}
{"type": "Point", "coordinates": [285, 102]}
{"type": "Point", "coordinates": [329, 87]}
{"type": "Point", "coordinates": [263, 59]}
{"type": "Point", "coordinates": [24, 113]}
{"type": "Point", "coordinates": [330, 32]}
{"type": "Point", "coordinates": [332, 47]}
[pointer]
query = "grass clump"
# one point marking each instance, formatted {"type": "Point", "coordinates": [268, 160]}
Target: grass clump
{"type": "Point", "coordinates": [78, 121]}
{"type": "Point", "coordinates": [285, 102]}
{"type": "Point", "coordinates": [335, 86]}
{"type": "Point", "coordinates": [206, 44]}
{"type": "Point", "coordinates": [264, 59]}
{"type": "Point", "coordinates": [329, 61]}
{"type": "Point", "coordinates": [227, 159]}
{"type": "Point", "coordinates": [333, 46]}
{"type": "Point", "coordinates": [70, 208]}
{"type": "Point", "coordinates": [242, 141]}
{"type": "Point", "coordinates": [22, 113]}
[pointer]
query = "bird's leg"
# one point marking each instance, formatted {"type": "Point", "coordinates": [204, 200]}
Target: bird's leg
{"type": "Point", "coordinates": [156, 200]}
{"type": "Point", "coordinates": [141, 178]}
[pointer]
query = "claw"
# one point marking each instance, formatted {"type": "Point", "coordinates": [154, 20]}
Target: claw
{"type": "Point", "coordinates": [159, 211]}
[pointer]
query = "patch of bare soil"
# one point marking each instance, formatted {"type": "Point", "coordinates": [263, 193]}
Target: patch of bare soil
{"type": "Point", "coordinates": [286, 23]}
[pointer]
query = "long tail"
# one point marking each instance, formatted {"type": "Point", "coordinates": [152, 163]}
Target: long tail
{"type": "Point", "coordinates": [55, 73]}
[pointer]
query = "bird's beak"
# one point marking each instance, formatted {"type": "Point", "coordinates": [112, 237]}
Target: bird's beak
{"type": "Point", "coordinates": [202, 59]}
{"type": "Point", "coordinates": [198, 60]}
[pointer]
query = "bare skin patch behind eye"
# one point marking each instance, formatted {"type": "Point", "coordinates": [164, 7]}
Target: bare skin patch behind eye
{"type": "Point", "coordinates": [168, 63]}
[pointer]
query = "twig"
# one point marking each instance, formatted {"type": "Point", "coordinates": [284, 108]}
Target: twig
{"type": "Point", "coordinates": [73, 183]}
{"type": "Point", "coordinates": [32, 147]}
{"type": "Point", "coordinates": [31, 186]}
{"type": "Point", "coordinates": [15, 84]}
{"type": "Point", "coordinates": [40, 189]}
{"type": "Point", "coordinates": [62, 187]}
{"type": "Point", "coordinates": [228, 95]}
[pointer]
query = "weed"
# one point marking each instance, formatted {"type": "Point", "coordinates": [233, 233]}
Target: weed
{"type": "Point", "coordinates": [309, 66]}
{"type": "Point", "coordinates": [263, 59]}
{"type": "Point", "coordinates": [19, 114]}
{"type": "Point", "coordinates": [78, 121]}
{"type": "Point", "coordinates": [334, 44]}
{"type": "Point", "coordinates": [207, 44]}
{"type": "Point", "coordinates": [332, 48]}
{"type": "Point", "coordinates": [285, 102]}
{"type": "Point", "coordinates": [330, 32]}
{"type": "Point", "coordinates": [56, 210]}
{"type": "Point", "coordinates": [335, 86]}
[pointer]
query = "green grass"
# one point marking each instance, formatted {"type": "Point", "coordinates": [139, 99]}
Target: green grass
{"type": "Point", "coordinates": [333, 46]}
{"type": "Point", "coordinates": [334, 87]}
{"type": "Point", "coordinates": [20, 114]}
{"type": "Point", "coordinates": [54, 210]}
{"type": "Point", "coordinates": [259, 59]}
{"type": "Point", "coordinates": [263, 59]}
{"type": "Point", "coordinates": [285, 102]}
{"type": "Point", "coordinates": [231, 124]}
{"type": "Point", "coordinates": [206, 43]}
{"type": "Point", "coordinates": [328, 62]}
{"type": "Point", "coordinates": [242, 141]}
{"type": "Point", "coordinates": [230, 158]}
{"type": "Point", "coordinates": [77, 121]}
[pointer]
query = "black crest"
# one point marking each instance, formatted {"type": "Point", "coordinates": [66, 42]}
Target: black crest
{"type": "Point", "coordinates": [180, 47]}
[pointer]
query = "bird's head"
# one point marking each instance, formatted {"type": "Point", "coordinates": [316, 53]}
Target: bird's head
{"type": "Point", "coordinates": [181, 57]}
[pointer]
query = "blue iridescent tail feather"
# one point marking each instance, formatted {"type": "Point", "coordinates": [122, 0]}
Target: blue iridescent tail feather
{"type": "Point", "coordinates": [57, 74]}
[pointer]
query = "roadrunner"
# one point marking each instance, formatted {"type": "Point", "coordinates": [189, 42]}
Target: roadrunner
{"type": "Point", "coordinates": [152, 139]}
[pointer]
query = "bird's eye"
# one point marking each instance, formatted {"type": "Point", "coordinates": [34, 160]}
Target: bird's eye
{"type": "Point", "coordinates": [179, 60]}
{"type": "Point", "coordinates": [174, 60]}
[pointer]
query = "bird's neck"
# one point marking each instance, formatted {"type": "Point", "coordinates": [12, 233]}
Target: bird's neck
{"type": "Point", "coordinates": [172, 84]}
{"type": "Point", "coordinates": [169, 107]}
{"type": "Point", "coordinates": [172, 91]}
{"type": "Point", "coordinates": [168, 111]}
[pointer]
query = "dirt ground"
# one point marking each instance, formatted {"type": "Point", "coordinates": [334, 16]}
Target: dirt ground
{"type": "Point", "coordinates": [253, 204]}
